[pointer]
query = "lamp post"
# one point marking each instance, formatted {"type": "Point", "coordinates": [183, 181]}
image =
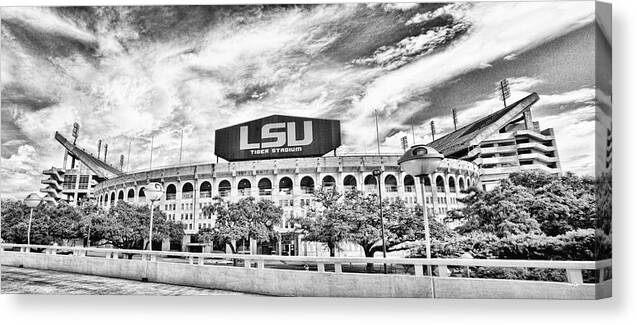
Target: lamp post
{"type": "Point", "coordinates": [420, 161]}
{"type": "Point", "coordinates": [154, 192]}
{"type": "Point", "coordinates": [377, 173]}
{"type": "Point", "coordinates": [91, 203]}
{"type": "Point", "coordinates": [32, 200]}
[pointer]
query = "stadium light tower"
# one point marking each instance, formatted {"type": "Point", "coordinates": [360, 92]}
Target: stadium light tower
{"type": "Point", "coordinates": [420, 161]}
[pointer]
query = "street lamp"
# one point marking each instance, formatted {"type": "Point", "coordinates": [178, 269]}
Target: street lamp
{"type": "Point", "coordinates": [377, 173]}
{"type": "Point", "coordinates": [32, 200]}
{"type": "Point", "coordinates": [91, 204]}
{"type": "Point", "coordinates": [420, 161]}
{"type": "Point", "coordinates": [154, 192]}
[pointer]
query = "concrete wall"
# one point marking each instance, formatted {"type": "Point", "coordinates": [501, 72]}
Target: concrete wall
{"type": "Point", "coordinates": [304, 283]}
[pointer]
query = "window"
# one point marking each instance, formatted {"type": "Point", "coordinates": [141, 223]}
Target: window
{"type": "Point", "coordinates": [410, 186]}
{"type": "Point", "coordinates": [349, 183]}
{"type": "Point", "coordinates": [307, 185]}
{"type": "Point", "coordinates": [328, 183]}
{"type": "Point", "coordinates": [391, 185]}
{"type": "Point", "coordinates": [285, 185]}
{"type": "Point", "coordinates": [186, 191]}
{"type": "Point", "coordinates": [83, 182]}
{"type": "Point", "coordinates": [171, 192]}
{"type": "Point", "coordinates": [244, 187]}
{"type": "Point", "coordinates": [265, 186]}
{"type": "Point", "coordinates": [224, 188]}
{"type": "Point", "coordinates": [69, 181]}
{"type": "Point", "coordinates": [205, 190]}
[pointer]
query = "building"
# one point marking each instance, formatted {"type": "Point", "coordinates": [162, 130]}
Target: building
{"type": "Point", "coordinates": [74, 182]}
{"type": "Point", "coordinates": [504, 142]}
{"type": "Point", "coordinates": [290, 184]}
{"type": "Point", "coordinates": [479, 154]}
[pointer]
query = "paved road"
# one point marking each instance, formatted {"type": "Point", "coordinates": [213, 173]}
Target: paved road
{"type": "Point", "coordinates": [30, 281]}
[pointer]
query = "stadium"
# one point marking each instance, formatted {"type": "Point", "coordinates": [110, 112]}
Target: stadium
{"type": "Point", "coordinates": [478, 154]}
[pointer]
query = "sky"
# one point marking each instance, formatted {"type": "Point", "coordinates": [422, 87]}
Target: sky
{"type": "Point", "coordinates": [129, 74]}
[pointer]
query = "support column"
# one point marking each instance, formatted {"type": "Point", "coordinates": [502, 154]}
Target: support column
{"type": "Point", "coordinates": [165, 244]}
{"type": "Point", "coordinates": [253, 246]}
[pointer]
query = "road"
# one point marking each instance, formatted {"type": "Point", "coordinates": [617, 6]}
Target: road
{"type": "Point", "coordinates": [30, 281]}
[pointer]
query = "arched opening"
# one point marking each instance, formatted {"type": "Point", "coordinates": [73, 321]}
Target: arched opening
{"type": "Point", "coordinates": [244, 187]}
{"type": "Point", "coordinates": [112, 199]}
{"type": "Point", "coordinates": [391, 185]}
{"type": "Point", "coordinates": [428, 187]}
{"type": "Point", "coordinates": [186, 191]}
{"type": "Point", "coordinates": [130, 196]}
{"type": "Point", "coordinates": [142, 195]}
{"type": "Point", "coordinates": [171, 192]}
{"type": "Point", "coordinates": [120, 196]}
{"type": "Point", "coordinates": [106, 199]}
{"type": "Point", "coordinates": [410, 185]}
{"type": "Point", "coordinates": [307, 185]}
{"type": "Point", "coordinates": [452, 184]}
{"type": "Point", "coordinates": [349, 183]}
{"type": "Point", "coordinates": [265, 186]}
{"type": "Point", "coordinates": [440, 184]}
{"type": "Point", "coordinates": [285, 185]}
{"type": "Point", "coordinates": [461, 183]}
{"type": "Point", "coordinates": [224, 188]}
{"type": "Point", "coordinates": [370, 184]}
{"type": "Point", "coordinates": [205, 190]}
{"type": "Point", "coordinates": [328, 183]}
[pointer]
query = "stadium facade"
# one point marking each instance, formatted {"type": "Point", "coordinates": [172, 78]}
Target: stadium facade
{"type": "Point", "coordinates": [479, 154]}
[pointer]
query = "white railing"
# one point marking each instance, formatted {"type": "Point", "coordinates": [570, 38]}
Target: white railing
{"type": "Point", "coordinates": [408, 266]}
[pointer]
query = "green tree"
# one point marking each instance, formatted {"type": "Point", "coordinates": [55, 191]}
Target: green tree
{"type": "Point", "coordinates": [244, 219]}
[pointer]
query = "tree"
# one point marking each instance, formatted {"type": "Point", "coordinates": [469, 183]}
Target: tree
{"type": "Point", "coordinates": [354, 216]}
{"type": "Point", "coordinates": [530, 202]}
{"type": "Point", "coordinates": [244, 219]}
{"type": "Point", "coordinates": [50, 223]}
{"type": "Point", "coordinates": [324, 222]}
{"type": "Point", "coordinates": [126, 226]}
{"type": "Point", "coordinates": [15, 218]}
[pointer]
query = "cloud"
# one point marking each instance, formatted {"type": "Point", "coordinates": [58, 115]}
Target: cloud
{"type": "Point", "coordinates": [497, 30]}
{"type": "Point", "coordinates": [20, 172]}
{"type": "Point", "coordinates": [139, 72]}
{"type": "Point", "coordinates": [413, 47]}
{"type": "Point", "coordinates": [575, 139]}
{"type": "Point", "coordinates": [510, 57]}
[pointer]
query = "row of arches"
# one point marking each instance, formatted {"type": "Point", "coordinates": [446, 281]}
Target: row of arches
{"type": "Point", "coordinates": [286, 184]}
{"type": "Point", "coordinates": [113, 197]}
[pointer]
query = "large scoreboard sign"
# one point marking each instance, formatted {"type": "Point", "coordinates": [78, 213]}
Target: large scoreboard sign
{"type": "Point", "coordinates": [278, 136]}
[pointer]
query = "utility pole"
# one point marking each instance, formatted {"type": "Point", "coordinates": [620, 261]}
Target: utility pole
{"type": "Point", "coordinates": [455, 119]}
{"type": "Point", "coordinates": [413, 133]}
{"type": "Point", "coordinates": [150, 164]}
{"type": "Point", "coordinates": [181, 144]}
{"type": "Point", "coordinates": [433, 130]}
{"type": "Point", "coordinates": [99, 148]}
{"type": "Point", "coordinates": [128, 158]}
{"type": "Point", "coordinates": [377, 134]}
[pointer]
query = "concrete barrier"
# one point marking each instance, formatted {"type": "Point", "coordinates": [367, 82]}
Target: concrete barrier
{"type": "Point", "coordinates": [283, 282]}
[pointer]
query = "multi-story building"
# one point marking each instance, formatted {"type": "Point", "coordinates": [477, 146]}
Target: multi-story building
{"type": "Point", "coordinates": [289, 183]}
{"type": "Point", "coordinates": [80, 172]}
{"type": "Point", "coordinates": [504, 142]}
{"type": "Point", "coordinates": [478, 154]}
